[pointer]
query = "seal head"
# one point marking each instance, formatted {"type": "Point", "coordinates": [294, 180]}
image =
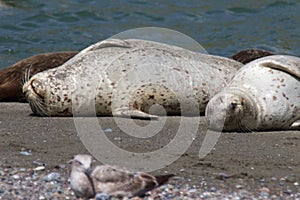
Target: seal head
{"type": "Point", "coordinates": [232, 110]}
{"type": "Point", "coordinates": [263, 95]}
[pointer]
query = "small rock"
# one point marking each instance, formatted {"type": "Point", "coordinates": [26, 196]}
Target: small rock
{"type": "Point", "coordinates": [288, 191]}
{"type": "Point", "coordinates": [118, 138]}
{"type": "Point", "coordinates": [290, 178]}
{"type": "Point", "coordinates": [40, 168]}
{"type": "Point", "coordinates": [238, 186]}
{"type": "Point", "coordinates": [42, 198]}
{"type": "Point", "coordinates": [53, 176]}
{"type": "Point", "coordinates": [222, 176]}
{"type": "Point", "coordinates": [108, 130]}
{"type": "Point", "coordinates": [16, 176]}
{"type": "Point", "coordinates": [22, 170]}
{"type": "Point", "coordinates": [38, 163]}
{"type": "Point", "coordinates": [102, 196]}
{"type": "Point", "coordinates": [264, 189]}
{"type": "Point", "coordinates": [25, 153]}
{"type": "Point", "coordinates": [213, 189]}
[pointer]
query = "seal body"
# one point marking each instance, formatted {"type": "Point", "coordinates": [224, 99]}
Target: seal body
{"type": "Point", "coordinates": [263, 95]}
{"type": "Point", "coordinates": [129, 78]}
{"type": "Point", "coordinates": [13, 77]}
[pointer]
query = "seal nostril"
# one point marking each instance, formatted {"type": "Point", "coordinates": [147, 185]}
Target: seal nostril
{"type": "Point", "coordinates": [233, 105]}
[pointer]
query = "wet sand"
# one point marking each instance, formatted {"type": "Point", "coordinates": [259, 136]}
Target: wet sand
{"type": "Point", "coordinates": [251, 161]}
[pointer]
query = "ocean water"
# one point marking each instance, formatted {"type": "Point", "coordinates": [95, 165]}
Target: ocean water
{"type": "Point", "coordinates": [28, 27]}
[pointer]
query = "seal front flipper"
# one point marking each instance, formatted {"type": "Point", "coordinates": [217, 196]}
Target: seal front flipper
{"type": "Point", "coordinates": [132, 113]}
{"type": "Point", "coordinates": [296, 124]}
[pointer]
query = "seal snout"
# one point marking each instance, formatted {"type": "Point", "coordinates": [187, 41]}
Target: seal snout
{"type": "Point", "coordinates": [37, 88]}
{"type": "Point", "coordinates": [233, 105]}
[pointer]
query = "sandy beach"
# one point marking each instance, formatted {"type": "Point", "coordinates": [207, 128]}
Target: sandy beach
{"type": "Point", "coordinates": [260, 163]}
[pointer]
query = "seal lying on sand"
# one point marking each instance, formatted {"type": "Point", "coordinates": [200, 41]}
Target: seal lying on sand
{"type": "Point", "coordinates": [263, 95]}
{"type": "Point", "coordinates": [248, 55]}
{"type": "Point", "coordinates": [13, 77]}
{"type": "Point", "coordinates": [126, 78]}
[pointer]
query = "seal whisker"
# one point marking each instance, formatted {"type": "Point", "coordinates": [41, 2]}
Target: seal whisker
{"type": "Point", "coordinates": [39, 107]}
{"type": "Point", "coordinates": [26, 76]}
{"type": "Point", "coordinates": [243, 128]}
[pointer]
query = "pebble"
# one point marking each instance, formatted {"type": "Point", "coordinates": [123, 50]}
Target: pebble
{"type": "Point", "coordinates": [53, 176]}
{"type": "Point", "coordinates": [23, 183]}
{"type": "Point", "coordinates": [40, 168]}
{"type": "Point", "coordinates": [26, 153]}
{"type": "Point", "coordinates": [16, 176]}
{"type": "Point", "coordinates": [38, 163]}
{"type": "Point", "coordinates": [118, 138]}
{"type": "Point", "coordinates": [108, 130]}
{"type": "Point", "coordinates": [102, 196]}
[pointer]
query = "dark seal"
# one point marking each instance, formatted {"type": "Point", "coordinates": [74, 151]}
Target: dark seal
{"type": "Point", "coordinates": [248, 55]}
{"type": "Point", "coordinates": [13, 77]}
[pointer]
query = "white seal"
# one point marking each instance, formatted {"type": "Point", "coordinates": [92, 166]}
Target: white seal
{"type": "Point", "coordinates": [126, 78]}
{"type": "Point", "coordinates": [263, 95]}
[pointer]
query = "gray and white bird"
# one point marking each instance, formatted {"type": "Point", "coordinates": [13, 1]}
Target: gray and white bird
{"type": "Point", "coordinates": [80, 180]}
{"type": "Point", "coordinates": [120, 182]}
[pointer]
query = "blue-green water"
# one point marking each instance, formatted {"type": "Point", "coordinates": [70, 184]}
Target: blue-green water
{"type": "Point", "coordinates": [29, 27]}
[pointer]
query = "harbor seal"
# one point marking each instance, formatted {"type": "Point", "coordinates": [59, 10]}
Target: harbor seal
{"type": "Point", "coordinates": [126, 78]}
{"type": "Point", "coordinates": [263, 95]}
{"type": "Point", "coordinates": [248, 55]}
{"type": "Point", "coordinates": [13, 77]}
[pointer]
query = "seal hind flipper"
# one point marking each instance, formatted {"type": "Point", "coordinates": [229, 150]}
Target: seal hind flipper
{"type": "Point", "coordinates": [107, 43]}
{"type": "Point", "coordinates": [133, 113]}
{"type": "Point", "coordinates": [296, 124]}
{"type": "Point", "coordinates": [288, 64]}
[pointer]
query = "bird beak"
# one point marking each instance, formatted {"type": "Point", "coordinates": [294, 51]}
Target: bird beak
{"type": "Point", "coordinates": [89, 171]}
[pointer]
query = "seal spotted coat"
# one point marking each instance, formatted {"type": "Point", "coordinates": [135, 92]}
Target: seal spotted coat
{"type": "Point", "coordinates": [263, 95]}
{"type": "Point", "coordinates": [126, 78]}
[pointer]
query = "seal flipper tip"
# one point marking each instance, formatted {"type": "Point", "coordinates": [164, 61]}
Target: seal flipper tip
{"type": "Point", "coordinates": [296, 124]}
{"type": "Point", "coordinates": [133, 113]}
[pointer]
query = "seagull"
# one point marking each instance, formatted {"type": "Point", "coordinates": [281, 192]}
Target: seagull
{"type": "Point", "coordinates": [80, 180]}
{"type": "Point", "coordinates": [120, 182]}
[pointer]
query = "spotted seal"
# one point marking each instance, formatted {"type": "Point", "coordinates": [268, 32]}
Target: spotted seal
{"type": "Point", "coordinates": [13, 77]}
{"type": "Point", "coordinates": [263, 95]}
{"type": "Point", "coordinates": [126, 78]}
